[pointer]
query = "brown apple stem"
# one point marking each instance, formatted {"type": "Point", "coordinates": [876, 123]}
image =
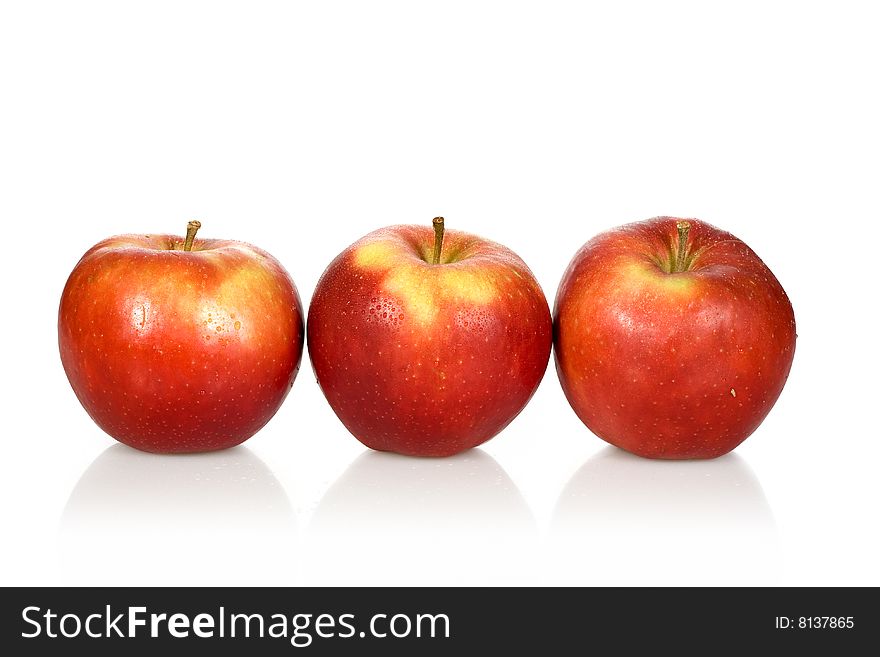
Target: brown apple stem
{"type": "Point", "coordinates": [438, 239]}
{"type": "Point", "coordinates": [191, 229]}
{"type": "Point", "coordinates": [681, 257]}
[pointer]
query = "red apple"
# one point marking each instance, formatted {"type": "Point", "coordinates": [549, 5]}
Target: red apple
{"type": "Point", "coordinates": [180, 346]}
{"type": "Point", "coordinates": [428, 346]}
{"type": "Point", "coordinates": [673, 338]}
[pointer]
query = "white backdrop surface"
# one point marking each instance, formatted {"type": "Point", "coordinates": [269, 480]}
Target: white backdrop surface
{"type": "Point", "coordinates": [301, 126]}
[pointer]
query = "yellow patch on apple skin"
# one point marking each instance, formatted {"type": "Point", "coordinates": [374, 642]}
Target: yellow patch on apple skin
{"type": "Point", "coordinates": [244, 283]}
{"type": "Point", "coordinates": [421, 288]}
{"type": "Point", "coordinates": [376, 254]}
{"type": "Point", "coordinates": [471, 286]}
{"type": "Point", "coordinates": [643, 274]}
{"type": "Point", "coordinates": [415, 292]}
{"type": "Point", "coordinates": [424, 289]}
{"type": "Point", "coordinates": [251, 285]}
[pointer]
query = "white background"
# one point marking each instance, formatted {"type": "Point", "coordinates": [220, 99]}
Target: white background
{"type": "Point", "coordinates": [300, 127]}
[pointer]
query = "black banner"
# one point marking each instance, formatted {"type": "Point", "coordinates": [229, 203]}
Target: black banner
{"type": "Point", "coordinates": [435, 621]}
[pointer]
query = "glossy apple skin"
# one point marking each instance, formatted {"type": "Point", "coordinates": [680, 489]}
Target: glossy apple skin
{"type": "Point", "coordinates": [423, 359]}
{"type": "Point", "coordinates": [671, 365]}
{"type": "Point", "coordinates": [172, 351]}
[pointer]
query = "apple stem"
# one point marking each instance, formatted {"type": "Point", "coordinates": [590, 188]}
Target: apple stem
{"type": "Point", "coordinates": [438, 239]}
{"type": "Point", "coordinates": [680, 264]}
{"type": "Point", "coordinates": [191, 229]}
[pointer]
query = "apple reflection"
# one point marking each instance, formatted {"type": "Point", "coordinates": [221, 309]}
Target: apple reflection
{"type": "Point", "coordinates": [667, 522]}
{"type": "Point", "coordinates": [176, 519]}
{"type": "Point", "coordinates": [399, 520]}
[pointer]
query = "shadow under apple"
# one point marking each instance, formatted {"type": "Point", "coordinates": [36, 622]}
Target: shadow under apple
{"type": "Point", "coordinates": [177, 518]}
{"type": "Point", "coordinates": [392, 519]}
{"type": "Point", "coordinates": [666, 522]}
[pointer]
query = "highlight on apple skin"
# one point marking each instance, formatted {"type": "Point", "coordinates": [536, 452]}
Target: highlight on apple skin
{"type": "Point", "coordinates": [673, 340]}
{"type": "Point", "coordinates": [176, 345]}
{"type": "Point", "coordinates": [428, 342]}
